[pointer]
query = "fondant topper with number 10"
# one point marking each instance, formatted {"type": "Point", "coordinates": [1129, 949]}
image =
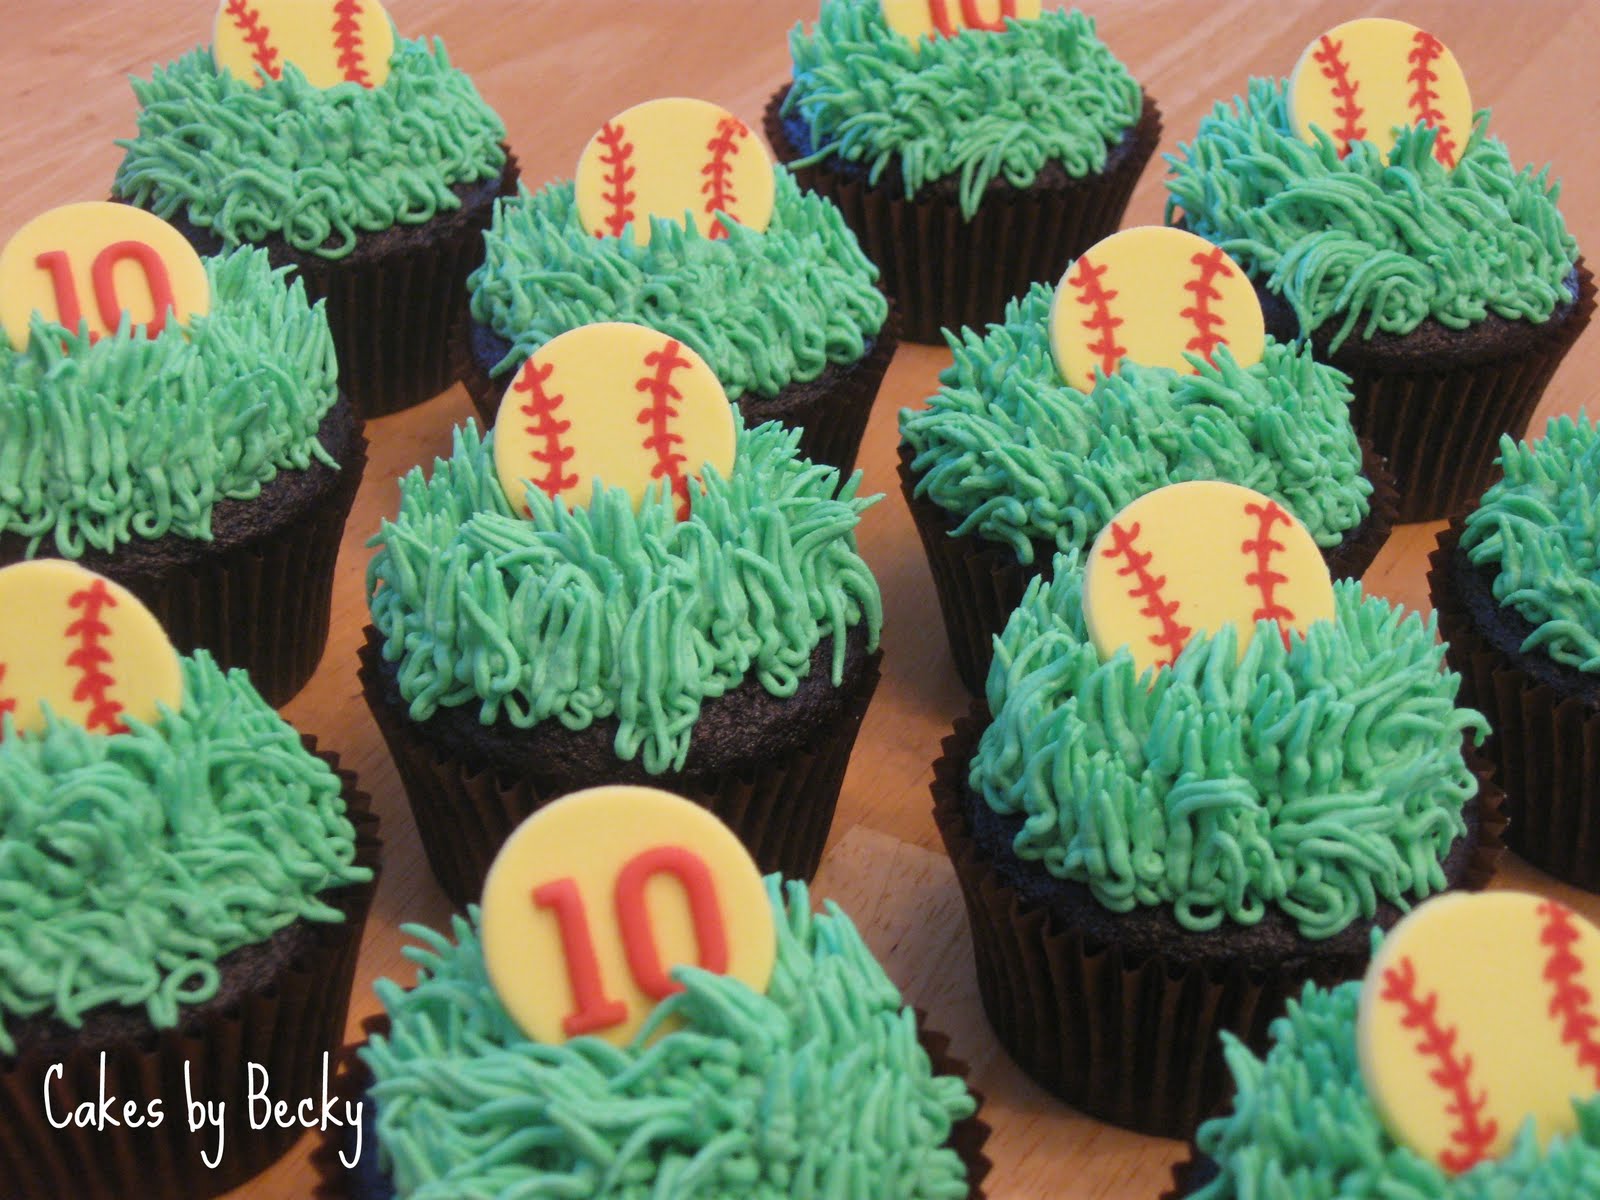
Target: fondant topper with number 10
{"type": "Point", "coordinates": [330, 41]}
{"type": "Point", "coordinates": [597, 896]}
{"type": "Point", "coordinates": [915, 19]}
{"type": "Point", "coordinates": [1192, 557]}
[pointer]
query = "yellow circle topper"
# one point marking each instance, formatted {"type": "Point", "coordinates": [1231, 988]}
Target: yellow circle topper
{"type": "Point", "coordinates": [679, 159]}
{"type": "Point", "coordinates": [94, 262]}
{"type": "Point", "coordinates": [1479, 1013]}
{"type": "Point", "coordinates": [1152, 295]}
{"type": "Point", "coordinates": [617, 404]}
{"type": "Point", "coordinates": [330, 41]}
{"type": "Point", "coordinates": [1193, 557]}
{"type": "Point", "coordinates": [83, 645]}
{"type": "Point", "coordinates": [1362, 79]}
{"type": "Point", "coordinates": [917, 19]}
{"type": "Point", "coordinates": [597, 896]}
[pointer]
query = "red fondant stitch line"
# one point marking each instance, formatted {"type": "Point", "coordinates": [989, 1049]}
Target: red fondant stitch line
{"type": "Point", "coordinates": [256, 35]}
{"type": "Point", "coordinates": [542, 407]}
{"type": "Point", "coordinates": [1098, 299]}
{"type": "Point", "coordinates": [1570, 1002]}
{"type": "Point", "coordinates": [658, 413]}
{"type": "Point", "coordinates": [347, 41]}
{"type": "Point", "coordinates": [1344, 91]}
{"type": "Point", "coordinates": [719, 168]}
{"type": "Point", "coordinates": [89, 658]}
{"type": "Point", "coordinates": [1264, 579]}
{"type": "Point", "coordinates": [1425, 49]}
{"type": "Point", "coordinates": [617, 195]}
{"type": "Point", "coordinates": [1172, 634]}
{"type": "Point", "coordinates": [1206, 320]}
{"type": "Point", "coordinates": [1453, 1075]}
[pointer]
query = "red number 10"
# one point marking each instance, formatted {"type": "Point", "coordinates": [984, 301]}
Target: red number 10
{"type": "Point", "coordinates": [70, 309]}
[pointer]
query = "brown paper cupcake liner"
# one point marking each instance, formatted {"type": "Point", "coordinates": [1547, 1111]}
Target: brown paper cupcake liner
{"type": "Point", "coordinates": [945, 271]}
{"type": "Point", "coordinates": [780, 809]}
{"type": "Point", "coordinates": [285, 1024]}
{"type": "Point", "coordinates": [1190, 1174]}
{"type": "Point", "coordinates": [979, 582]}
{"type": "Point", "coordinates": [1129, 1038]}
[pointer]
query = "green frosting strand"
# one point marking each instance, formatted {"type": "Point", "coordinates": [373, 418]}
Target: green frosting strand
{"type": "Point", "coordinates": [1367, 243]}
{"type": "Point", "coordinates": [131, 863]}
{"type": "Point", "coordinates": [136, 437]}
{"type": "Point", "coordinates": [593, 612]}
{"type": "Point", "coordinates": [1018, 456]}
{"type": "Point", "coordinates": [1304, 1128]}
{"type": "Point", "coordinates": [316, 167]}
{"type": "Point", "coordinates": [1539, 528]}
{"type": "Point", "coordinates": [975, 107]}
{"type": "Point", "coordinates": [1323, 777]}
{"type": "Point", "coordinates": [816, 1090]}
{"type": "Point", "coordinates": [763, 309]}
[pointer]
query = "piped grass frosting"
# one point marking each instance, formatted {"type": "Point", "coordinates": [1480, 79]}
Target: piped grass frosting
{"type": "Point", "coordinates": [764, 309]}
{"type": "Point", "coordinates": [131, 864]}
{"type": "Point", "coordinates": [1320, 774]}
{"type": "Point", "coordinates": [1366, 244]}
{"type": "Point", "coordinates": [1018, 456]}
{"type": "Point", "coordinates": [578, 614]}
{"type": "Point", "coordinates": [316, 167]}
{"type": "Point", "coordinates": [140, 437]}
{"type": "Point", "coordinates": [1538, 530]}
{"type": "Point", "coordinates": [816, 1088]}
{"type": "Point", "coordinates": [975, 107]}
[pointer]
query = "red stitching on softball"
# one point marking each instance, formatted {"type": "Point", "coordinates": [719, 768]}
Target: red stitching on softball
{"type": "Point", "coordinates": [89, 658]}
{"type": "Point", "coordinates": [1571, 1001]}
{"type": "Point", "coordinates": [1264, 579]}
{"type": "Point", "coordinates": [657, 413]}
{"type": "Point", "coordinates": [617, 194]}
{"type": "Point", "coordinates": [347, 41]}
{"type": "Point", "coordinates": [1453, 1075]}
{"type": "Point", "coordinates": [1425, 50]}
{"type": "Point", "coordinates": [1173, 635]}
{"type": "Point", "coordinates": [1344, 91]}
{"type": "Point", "coordinates": [1205, 320]}
{"type": "Point", "coordinates": [542, 408]}
{"type": "Point", "coordinates": [255, 34]}
{"type": "Point", "coordinates": [1101, 321]}
{"type": "Point", "coordinates": [722, 148]}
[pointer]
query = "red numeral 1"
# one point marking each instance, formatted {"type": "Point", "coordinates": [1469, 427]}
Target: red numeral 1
{"type": "Point", "coordinates": [594, 1011]}
{"type": "Point", "coordinates": [68, 309]}
{"type": "Point", "coordinates": [102, 271]}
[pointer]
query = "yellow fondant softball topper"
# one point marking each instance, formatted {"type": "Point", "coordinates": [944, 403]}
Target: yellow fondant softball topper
{"type": "Point", "coordinates": [915, 19]}
{"type": "Point", "coordinates": [1480, 1013]}
{"type": "Point", "coordinates": [597, 896]}
{"type": "Point", "coordinates": [1363, 79]}
{"type": "Point", "coordinates": [83, 645]}
{"type": "Point", "coordinates": [95, 262]}
{"type": "Point", "coordinates": [613, 402]}
{"type": "Point", "coordinates": [1152, 295]}
{"type": "Point", "coordinates": [674, 158]}
{"type": "Point", "coordinates": [330, 41]}
{"type": "Point", "coordinates": [1192, 557]}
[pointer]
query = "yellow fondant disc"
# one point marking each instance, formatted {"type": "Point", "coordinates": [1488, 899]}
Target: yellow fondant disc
{"type": "Point", "coordinates": [1193, 557]}
{"type": "Point", "coordinates": [93, 262]}
{"type": "Point", "coordinates": [1478, 1013]}
{"type": "Point", "coordinates": [330, 41]}
{"type": "Point", "coordinates": [598, 895]}
{"type": "Point", "coordinates": [83, 645]}
{"type": "Point", "coordinates": [1362, 79]}
{"type": "Point", "coordinates": [914, 19]}
{"type": "Point", "coordinates": [1152, 295]}
{"type": "Point", "coordinates": [615, 403]}
{"type": "Point", "coordinates": [674, 158]}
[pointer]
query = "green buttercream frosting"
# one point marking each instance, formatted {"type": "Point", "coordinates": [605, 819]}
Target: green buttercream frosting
{"type": "Point", "coordinates": [600, 611]}
{"type": "Point", "coordinates": [1539, 529]}
{"type": "Point", "coordinates": [1370, 244]}
{"type": "Point", "coordinates": [1323, 777]}
{"type": "Point", "coordinates": [1019, 456]}
{"type": "Point", "coordinates": [136, 437]}
{"type": "Point", "coordinates": [316, 167]}
{"type": "Point", "coordinates": [1304, 1128]}
{"type": "Point", "coordinates": [131, 863]}
{"type": "Point", "coordinates": [816, 1090]}
{"type": "Point", "coordinates": [763, 309]}
{"type": "Point", "coordinates": [975, 107]}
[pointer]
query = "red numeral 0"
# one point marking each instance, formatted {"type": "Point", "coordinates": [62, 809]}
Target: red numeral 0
{"type": "Point", "coordinates": [105, 285]}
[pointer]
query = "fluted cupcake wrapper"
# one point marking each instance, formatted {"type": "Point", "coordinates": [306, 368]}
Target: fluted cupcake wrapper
{"type": "Point", "coordinates": [1191, 1174]}
{"type": "Point", "coordinates": [980, 582]}
{"type": "Point", "coordinates": [285, 1025]}
{"type": "Point", "coordinates": [946, 271]}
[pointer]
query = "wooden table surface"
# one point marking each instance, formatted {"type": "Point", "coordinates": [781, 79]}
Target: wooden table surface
{"type": "Point", "coordinates": [555, 71]}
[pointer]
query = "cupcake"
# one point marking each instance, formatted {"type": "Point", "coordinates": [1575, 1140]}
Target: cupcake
{"type": "Point", "coordinates": [372, 173]}
{"type": "Point", "coordinates": [780, 301]}
{"type": "Point", "coordinates": [1153, 854]}
{"type": "Point", "coordinates": [188, 880]}
{"type": "Point", "coordinates": [1516, 584]}
{"type": "Point", "coordinates": [970, 162]}
{"type": "Point", "coordinates": [1448, 291]}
